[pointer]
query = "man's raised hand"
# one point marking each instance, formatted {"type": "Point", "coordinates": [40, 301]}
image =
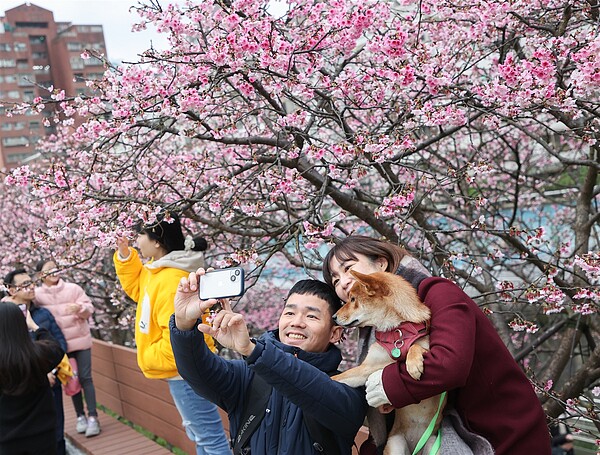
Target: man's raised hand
{"type": "Point", "coordinates": [229, 329]}
{"type": "Point", "coordinates": [188, 306]}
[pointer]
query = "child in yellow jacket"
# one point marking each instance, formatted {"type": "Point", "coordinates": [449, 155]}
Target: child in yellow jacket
{"type": "Point", "coordinates": [153, 286]}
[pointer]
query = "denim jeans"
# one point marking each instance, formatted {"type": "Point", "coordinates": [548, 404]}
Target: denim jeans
{"type": "Point", "coordinates": [201, 419]}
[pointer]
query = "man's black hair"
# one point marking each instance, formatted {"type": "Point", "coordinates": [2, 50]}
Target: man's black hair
{"type": "Point", "coordinates": [318, 289]}
{"type": "Point", "coordinates": [9, 278]}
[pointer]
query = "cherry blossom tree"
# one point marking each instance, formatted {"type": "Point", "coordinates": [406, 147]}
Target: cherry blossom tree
{"type": "Point", "coordinates": [465, 131]}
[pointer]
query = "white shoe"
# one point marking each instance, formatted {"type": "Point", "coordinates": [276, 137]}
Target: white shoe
{"type": "Point", "coordinates": [93, 427]}
{"type": "Point", "coordinates": [82, 424]}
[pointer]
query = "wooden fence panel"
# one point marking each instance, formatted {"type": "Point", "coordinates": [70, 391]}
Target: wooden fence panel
{"type": "Point", "coordinates": [121, 387]}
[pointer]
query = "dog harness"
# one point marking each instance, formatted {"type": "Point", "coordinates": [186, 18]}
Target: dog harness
{"type": "Point", "coordinates": [398, 341]}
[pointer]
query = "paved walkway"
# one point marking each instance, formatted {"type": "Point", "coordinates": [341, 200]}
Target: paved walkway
{"type": "Point", "coordinates": [116, 438]}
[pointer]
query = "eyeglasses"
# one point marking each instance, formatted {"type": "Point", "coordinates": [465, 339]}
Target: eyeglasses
{"type": "Point", "coordinates": [24, 285]}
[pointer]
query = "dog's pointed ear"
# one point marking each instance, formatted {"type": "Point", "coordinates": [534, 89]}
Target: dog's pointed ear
{"type": "Point", "coordinates": [374, 285]}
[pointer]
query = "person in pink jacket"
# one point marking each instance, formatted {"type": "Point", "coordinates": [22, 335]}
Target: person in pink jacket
{"type": "Point", "coordinates": [71, 308]}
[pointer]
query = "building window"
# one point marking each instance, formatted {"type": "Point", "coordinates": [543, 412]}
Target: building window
{"type": "Point", "coordinates": [93, 61]}
{"type": "Point", "coordinates": [5, 47]}
{"type": "Point", "coordinates": [32, 24]}
{"type": "Point", "coordinates": [20, 47]}
{"type": "Point", "coordinates": [22, 63]}
{"type": "Point", "coordinates": [95, 76]}
{"type": "Point", "coordinates": [34, 125]}
{"type": "Point", "coordinates": [71, 46]}
{"type": "Point", "coordinates": [15, 141]}
{"type": "Point", "coordinates": [76, 63]}
{"type": "Point", "coordinates": [26, 80]}
{"type": "Point", "coordinates": [28, 96]}
{"type": "Point", "coordinates": [39, 55]}
{"type": "Point", "coordinates": [37, 39]}
{"type": "Point", "coordinates": [7, 63]}
{"type": "Point", "coordinates": [18, 157]}
{"type": "Point", "coordinates": [10, 126]}
{"type": "Point", "coordinates": [12, 94]}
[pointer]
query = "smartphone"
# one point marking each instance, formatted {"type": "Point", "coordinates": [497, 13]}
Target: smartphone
{"type": "Point", "coordinates": [222, 283]}
{"type": "Point", "coordinates": [23, 308]}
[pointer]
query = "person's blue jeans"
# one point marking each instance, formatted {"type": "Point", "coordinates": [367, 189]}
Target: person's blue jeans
{"type": "Point", "coordinates": [201, 419]}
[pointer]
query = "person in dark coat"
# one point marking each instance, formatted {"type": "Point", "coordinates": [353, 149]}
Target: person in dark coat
{"type": "Point", "coordinates": [296, 360]}
{"type": "Point", "coordinates": [562, 439]}
{"type": "Point", "coordinates": [27, 410]}
{"type": "Point", "coordinates": [21, 290]}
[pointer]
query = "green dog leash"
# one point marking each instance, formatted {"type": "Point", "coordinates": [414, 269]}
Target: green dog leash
{"type": "Point", "coordinates": [438, 441]}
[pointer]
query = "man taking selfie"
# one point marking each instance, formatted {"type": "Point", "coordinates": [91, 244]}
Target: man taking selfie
{"type": "Point", "coordinates": [304, 411]}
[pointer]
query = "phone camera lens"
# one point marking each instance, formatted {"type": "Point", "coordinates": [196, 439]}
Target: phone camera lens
{"type": "Point", "coordinates": [232, 277]}
{"type": "Point", "coordinates": [237, 273]}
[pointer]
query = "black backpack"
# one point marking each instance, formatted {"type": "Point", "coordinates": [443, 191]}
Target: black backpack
{"type": "Point", "coordinates": [255, 408]}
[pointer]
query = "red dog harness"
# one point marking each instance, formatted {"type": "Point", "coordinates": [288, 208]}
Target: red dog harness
{"type": "Point", "coordinates": [398, 341]}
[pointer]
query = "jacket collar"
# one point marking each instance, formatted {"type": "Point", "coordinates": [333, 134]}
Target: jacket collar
{"type": "Point", "coordinates": [188, 261]}
{"type": "Point", "coordinates": [327, 361]}
{"type": "Point", "coordinates": [412, 271]}
{"type": "Point", "coordinates": [56, 288]}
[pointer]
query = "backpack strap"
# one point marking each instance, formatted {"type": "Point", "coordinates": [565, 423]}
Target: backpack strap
{"type": "Point", "coordinates": [323, 438]}
{"type": "Point", "coordinates": [255, 408]}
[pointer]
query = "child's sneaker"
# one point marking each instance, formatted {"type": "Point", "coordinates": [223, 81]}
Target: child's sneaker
{"type": "Point", "coordinates": [93, 427]}
{"type": "Point", "coordinates": [82, 424]}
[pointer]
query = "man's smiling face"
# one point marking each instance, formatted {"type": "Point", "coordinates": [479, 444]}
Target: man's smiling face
{"type": "Point", "coordinates": [306, 323]}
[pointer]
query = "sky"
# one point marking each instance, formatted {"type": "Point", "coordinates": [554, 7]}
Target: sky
{"type": "Point", "coordinates": [122, 45]}
{"type": "Point", "coordinates": [114, 16]}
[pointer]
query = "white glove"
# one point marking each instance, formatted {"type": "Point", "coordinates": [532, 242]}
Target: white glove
{"type": "Point", "coordinates": [375, 393]}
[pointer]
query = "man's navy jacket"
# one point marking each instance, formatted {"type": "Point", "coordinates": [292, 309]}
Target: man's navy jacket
{"type": "Point", "coordinates": [300, 384]}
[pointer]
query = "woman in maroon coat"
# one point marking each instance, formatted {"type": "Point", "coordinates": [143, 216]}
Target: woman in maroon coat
{"type": "Point", "coordinates": [467, 358]}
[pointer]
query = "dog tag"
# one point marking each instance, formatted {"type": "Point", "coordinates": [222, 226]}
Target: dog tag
{"type": "Point", "coordinates": [396, 353]}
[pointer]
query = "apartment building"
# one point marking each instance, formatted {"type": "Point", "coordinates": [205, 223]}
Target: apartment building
{"type": "Point", "coordinates": [36, 52]}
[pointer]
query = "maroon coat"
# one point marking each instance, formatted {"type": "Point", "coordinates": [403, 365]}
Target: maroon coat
{"type": "Point", "coordinates": [468, 359]}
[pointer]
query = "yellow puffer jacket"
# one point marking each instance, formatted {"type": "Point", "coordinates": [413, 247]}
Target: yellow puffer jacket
{"type": "Point", "coordinates": [153, 287]}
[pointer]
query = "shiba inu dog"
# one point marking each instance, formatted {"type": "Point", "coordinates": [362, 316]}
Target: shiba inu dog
{"type": "Point", "coordinates": [390, 305]}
